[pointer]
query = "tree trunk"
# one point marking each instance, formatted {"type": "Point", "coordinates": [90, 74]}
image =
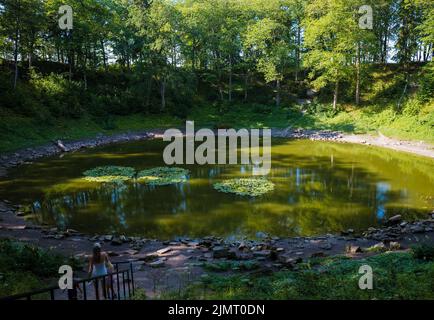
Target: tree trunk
{"type": "Point", "coordinates": [297, 66]}
{"type": "Point", "coordinates": [148, 94]}
{"type": "Point", "coordinates": [103, 55]}
{"type": "Point", "coordinates": [277, 93]}
{"type": "Point", "coordinates": [230, 80]}
{"type": "Point", "coordinates": [358, 75]}
{"type": "Point", "coordinates": [71, 55]}
{"type": "Point", "coordinates": [335, 95]}
{"type": "Point", "coordinates": [163, 94]}
{"type": "Point", "coordinates": [246, 85]}
{"type": "Point", "coordinates": [17, 36]}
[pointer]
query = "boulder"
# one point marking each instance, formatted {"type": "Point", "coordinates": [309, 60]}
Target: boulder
{"type": "Point", "coordinates": [223, 252]}
{"type": "Point", "coordinates": [354, 249]}
{"type": "Point", "coordinates": [164, 250]}
{"type": "Point", "coordinates": [395, 219]}
{"type": "Point", "coordinates": [116, 242]}
{"type": "Point", "coordinates": [262, 254]}
{"type": "Point", "coordinates": [394, 246]}
{"type": "Point", "coordinates": [157, 264]}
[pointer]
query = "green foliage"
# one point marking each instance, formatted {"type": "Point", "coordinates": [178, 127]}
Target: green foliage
{"type": "Point", "coordinates": [245, 187]}
{"type": "Point", "coordinates": [397, 276]}
{"type": "Point", "coordinates": [423, 252]}
{"type": "Point", "coordinates": [222, 266]}
{"type": "Point", "coordinates": [162, 176]}
{"type": "Point", "coordinates": [25, 267]}
{"type": "Point", "coordinates": [109, 174]}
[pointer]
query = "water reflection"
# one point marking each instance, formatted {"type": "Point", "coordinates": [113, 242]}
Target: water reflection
{"type": "Point", "coordinates": [319, 187]}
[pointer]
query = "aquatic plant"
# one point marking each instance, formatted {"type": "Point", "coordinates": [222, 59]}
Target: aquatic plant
{"type": "Point", "coordinates": [113, 174]}
{"type": "Point", "coordinates": [245, 187]}
{"type": "Point", "coordinates": [161, 176]}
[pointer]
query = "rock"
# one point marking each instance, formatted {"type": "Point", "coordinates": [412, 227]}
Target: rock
{"type": "Point", "coordinates": [353, 249]}
{"type": "Point", "coordinates": [157, 264]}
{"type": "Point", "coordinates": [130, 252]}
{"type": "Point", "coordinates": [319, 254]}
{"type": "Point", "coordinates": [107, 238]}
{"type": "Point", "coordinates": [394, 246]}
{"type": "Point", "coordinates": [379, 246]}
{"type": "Point", "coordinates": [206, 243]}
{"type": "Point", "coordinates": [261, 235]}
{"type": "Point", "coordinates": [146, 257]}
{"type": "Point", "coordinates": [220, 252]}
{"type": "Point", "coordinates": [242, 246]}
{"type": "Point", "coordinates": [94, 238]}
{"type": "Point", "coordinates": [164, 250]}
{"type": "Point", "coordinates": [116, 242]}
{"type": "Point", "coordinates": [417, 229]}
{"type": "Point", "coordinates": [223, 252]}
{"type": "Point", "coordinates": [262, 253]}
{"type": "Point", "coordinates": [395, 219]}
{"type": "Point", "coordinates": [279, 250]}
{"type": "Point", "coordinates": [123, 239]}
{"type": "Point", "coordinates": [112, 254]}
{"type": "Point", "coordinates": [325, 246]}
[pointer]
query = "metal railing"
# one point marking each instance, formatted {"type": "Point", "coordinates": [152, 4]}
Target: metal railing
{"type": "Point", "coordinates": [120, 289]}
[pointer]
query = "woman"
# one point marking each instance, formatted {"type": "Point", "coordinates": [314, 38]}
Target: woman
{"type": "Point", "coordinates": [98, 264]}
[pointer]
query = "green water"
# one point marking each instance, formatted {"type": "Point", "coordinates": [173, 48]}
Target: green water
{"type": "Point", "coordinates": [320, 187]}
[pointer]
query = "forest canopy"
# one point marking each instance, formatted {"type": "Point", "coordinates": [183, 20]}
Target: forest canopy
{"type": "Point", "coordinates": [160, 56]}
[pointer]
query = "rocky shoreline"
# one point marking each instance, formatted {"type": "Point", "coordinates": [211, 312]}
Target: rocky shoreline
{"type": "Point", "coordinates": [396, 234]}
{"type": "Point", "coordinates": [27, 155]}
{"type": "Point", "coordinates": [173, 260]}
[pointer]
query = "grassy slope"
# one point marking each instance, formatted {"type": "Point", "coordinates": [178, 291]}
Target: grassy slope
{"type": "Point", "coordinates": [396, 276]}
{"type": "Point", "coordinates": [19, 132]}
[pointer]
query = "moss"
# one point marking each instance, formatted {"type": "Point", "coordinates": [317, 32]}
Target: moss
{"type": "Point", "coordinates": [252, 187]}
{"type": "Point", "coordinates": [161, 176]}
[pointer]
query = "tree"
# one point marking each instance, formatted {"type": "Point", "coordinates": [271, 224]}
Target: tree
{"type": "Point", "coordinates": [334, 42]}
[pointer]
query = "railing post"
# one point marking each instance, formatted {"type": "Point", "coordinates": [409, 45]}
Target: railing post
{"type": "Point", "coordinates": [96, 288]}
{"type": "Point", "coordinates": [128, 282]}
{"type": "Point", "coordinates": [123, 284]}
{"type": "Point", "coordinates": [132, 275]}
{"type": "Point", "coordinates": [84, 291]}
{"type": "Point", "coordinates": [117, 280]}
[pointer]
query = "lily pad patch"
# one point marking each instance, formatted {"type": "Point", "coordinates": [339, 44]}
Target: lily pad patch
{"type": "Point", "coordinates": [161, 176]}
{"type": "Point", "coordinates": [245, 186]}
{"type": "Point", "coordinates": [109, 174]}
